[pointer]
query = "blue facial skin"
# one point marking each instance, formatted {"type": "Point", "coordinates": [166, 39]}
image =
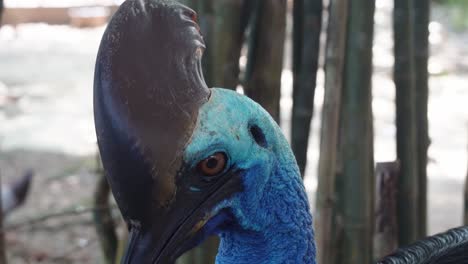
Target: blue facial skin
{"type": "Point", "coordinates": [269, 221]}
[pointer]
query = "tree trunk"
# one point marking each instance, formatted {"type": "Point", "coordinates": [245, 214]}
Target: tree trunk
{"type": "Point", "coordinates": [327, 167]}
{"type": "Point", "coordinates": [356, 193]}
{"type": "Point", "coordinates": [102, 216]}
{"type": "Point", "coordinates": [421, 57]}
{"type": "Point", "coordinates": [407, 145]}
{"type": "Point", "coordinates": [386, 229]}
{"type": "Point", "coordinates": [263, 82]}
{"type": "Point", "coordinates": [307, 28]}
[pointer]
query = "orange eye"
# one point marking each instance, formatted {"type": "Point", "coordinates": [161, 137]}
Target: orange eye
{"type": "Point", "coordinates": [213, 165]}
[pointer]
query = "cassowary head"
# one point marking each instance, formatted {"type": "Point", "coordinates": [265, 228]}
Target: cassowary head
{"type": "Point", "coordinates": [185, 161]}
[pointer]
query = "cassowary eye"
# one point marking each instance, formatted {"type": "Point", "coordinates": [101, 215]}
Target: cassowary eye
{"type": "Point", "coordinates": [213, 165]}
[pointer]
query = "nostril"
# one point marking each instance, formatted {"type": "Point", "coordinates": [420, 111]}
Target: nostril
{"type": "Point", "coordinates": [258, 135]}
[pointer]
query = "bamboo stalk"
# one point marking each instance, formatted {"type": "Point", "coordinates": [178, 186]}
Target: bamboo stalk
{"type": "Point", "coordinates": [308, 21]}
{"type": "Point", "coordinates": [228, 32]}
{"type": "Point", "coordinates": [327, 167]}
{"type": "Point", "coordinates": [263, 81]}
{"type": "Point", "coordinates": [3, 259]}
{"type": "Point", "coordinates": [386, 229]}
{"type": "Point", "coordinates": [407, 149]}
{"type": "Point", "coordinates": [208, 255]}
{"type": "Point", "coordinates": [206, 20]}
{"type": "Point", "coordinates": [223, 24]}
{"type": "Point", "coordinates": [465, 211]}
{"type": "Point", "coordinates": [203, 254]}
{"type": "Point", "coordinates": [121, 246]}
{"type": "Point", "coordinates": [421, 57]}
{"type": "Point", "coordinates": [187, 258]}
{"type": "Point", "coordinates": [1, 11]}
{"type": "Point", "coordinates": [298, 31]}
{"type": "Point", "coordinates": [104, 224]}
{"type": "Point", "coordinates": [252, 38]}
{"type": "Point", "coordinates": [356, 193]}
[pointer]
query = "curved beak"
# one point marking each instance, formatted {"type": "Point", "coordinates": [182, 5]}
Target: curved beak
{"type": "Point", "coordinates": [183, 224]}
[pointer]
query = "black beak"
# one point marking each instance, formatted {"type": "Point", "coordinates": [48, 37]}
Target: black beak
{"type": "Point", "coordinates": [148, 90]}
{"type": "Point", "coordinates": [183, 224]}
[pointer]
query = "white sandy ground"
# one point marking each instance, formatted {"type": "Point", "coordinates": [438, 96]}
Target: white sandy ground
{"type": "Point", "coordinates": [47, 124]}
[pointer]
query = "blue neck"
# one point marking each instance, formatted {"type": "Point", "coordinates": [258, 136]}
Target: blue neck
{"type": "Point", "coordinates": [281, 230]}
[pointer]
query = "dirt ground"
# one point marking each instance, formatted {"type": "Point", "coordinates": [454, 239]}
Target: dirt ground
{"type": "Point", "coordinates": [46, 124]}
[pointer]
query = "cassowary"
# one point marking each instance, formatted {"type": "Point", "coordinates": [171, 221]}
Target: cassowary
{"type": "Point", "coordinates": [184, 161]}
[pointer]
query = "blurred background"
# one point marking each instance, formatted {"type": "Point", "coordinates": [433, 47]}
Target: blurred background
{"type": "Point", "coordinates": [294, 57]}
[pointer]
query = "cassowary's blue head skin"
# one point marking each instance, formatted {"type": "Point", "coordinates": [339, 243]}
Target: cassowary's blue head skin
{"type": "Point", "coordinates": [268, 221]}
{"type": "Point", "coordinates": [185, 162]}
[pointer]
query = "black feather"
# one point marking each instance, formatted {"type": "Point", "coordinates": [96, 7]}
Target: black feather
{"type": "Point", "coordinates": [445, 248]}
